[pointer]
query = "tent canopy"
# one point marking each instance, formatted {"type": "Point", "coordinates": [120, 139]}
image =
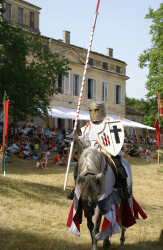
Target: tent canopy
{"type": "Point", "coordinates": [65, 113]}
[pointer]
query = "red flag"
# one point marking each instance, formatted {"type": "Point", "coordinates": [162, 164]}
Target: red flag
{"type": "Point", "coordinates": [5, 123]}
{"type": "Point", "coordinates": [159, 105]}
{"type": "Point", "coordinates": [157, 132]}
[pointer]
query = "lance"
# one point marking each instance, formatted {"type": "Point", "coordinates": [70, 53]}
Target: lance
{"type": "Point", "coordinates": [73, 135]}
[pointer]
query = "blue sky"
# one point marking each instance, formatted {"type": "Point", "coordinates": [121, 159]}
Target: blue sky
{"type": "Point", "coordinates": [120, 25]}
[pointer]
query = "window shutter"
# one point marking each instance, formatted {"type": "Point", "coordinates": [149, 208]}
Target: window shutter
{"type": "Point", "coordinates": [56, 82]}
{"type": "Point", "coordinates": [106, 92]}
{"type": "Point", "coordinates": [71, 77]}
{"type": "Point", "coordinates": [103, 91]}
{"type": "Point", "coordinates": [80, 83]}
{"type": "Point", "coordinates": [20, 15]}
{"type": "Point", "coordinates": [62, 83]}
{"type": "Point", "coordinates": [114, 93]}
{"type": "Point", "coordinates": [94, 89]}
{"type": "Point", "coordinates": [66, 84]}
{"type": "Point", "coordinates": [122, 95]}
{"type": "Point", "coordinates": [86, 87]}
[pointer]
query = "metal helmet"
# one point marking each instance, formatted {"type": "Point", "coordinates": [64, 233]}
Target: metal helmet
{"type": "Point", "coordinates": [97, 111]}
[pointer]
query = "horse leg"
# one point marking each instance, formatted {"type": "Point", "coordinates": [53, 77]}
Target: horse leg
{"type": "Point", "coordinates": [122, 239]}
{"type": "Point", "coordinates": [97, 220]}
{"type": "Point", "coordinates": [88, 214]}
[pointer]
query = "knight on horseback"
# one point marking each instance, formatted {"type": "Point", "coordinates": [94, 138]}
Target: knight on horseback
{"type": "Point", "coordinates": [101, 186]}
{"type": "Point", "coordinates": [89, 138]}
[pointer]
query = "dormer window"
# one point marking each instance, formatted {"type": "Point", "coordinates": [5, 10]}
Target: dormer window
{"type": "Point", "coordinates": [32, 19]}
{"type": "Point", "coordinates": [91, 61]}
{"type": "Point", "coordinates": [117, 69]}
{"type": "Point", "coordinates": [105, 65]}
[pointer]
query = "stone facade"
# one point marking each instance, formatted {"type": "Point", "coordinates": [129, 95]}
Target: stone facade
{"type": "Point", "coordinates": [22, 14]}
{"type": "Point", "coordinates": [105, 79]}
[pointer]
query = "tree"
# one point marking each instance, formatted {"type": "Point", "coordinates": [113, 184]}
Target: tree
{"type": "Point", "coordinates": [26, 72]}
{"type": "Point", "coordinates": [153, 59]}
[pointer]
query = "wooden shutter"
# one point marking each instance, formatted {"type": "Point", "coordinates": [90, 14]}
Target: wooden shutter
{"type": "Point", "coordinates": [103, 91]}
{"type": "Point", "coordinates": [66, 85]}
{"type": "Point", "coordinates": [20, 15]}
{"type": "Point", "coordinates": [56, 82]}
{"type": "Point", "coordinates": [62, 83]}
{"type": "Point", "coordinates": [86, 87]}
{"type": "Point", "coordinates": [114, 93]}
{"type": "Point", "coordinates": [106, 92]}
{"type": "Point", "coordinates": [32, 19]}
{"type": "Point", "coordinates": [94, 89]}
{"type": "Point", "coordinates": [122, 95]}
{"type": "Point", "coordinates": [80, 83]}
{"type": "Point", "coordinates": [71, 77]}
{"type": "Point", "coordinates": [8, 11]}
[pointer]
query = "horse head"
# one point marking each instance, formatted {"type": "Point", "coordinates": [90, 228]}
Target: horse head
{"type": "Point", "coordinates": [91, 188]}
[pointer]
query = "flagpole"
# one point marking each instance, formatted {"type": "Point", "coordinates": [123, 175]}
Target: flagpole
{"type": "Point", "coordinates": [159, 130]}
{"type": "Point", "coordinates": [74, 136]}
{"type": "Point", "coordinates": [4, 122]}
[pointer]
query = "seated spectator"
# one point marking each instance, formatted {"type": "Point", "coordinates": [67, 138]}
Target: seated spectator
{"type": "Point", "coordinates": [59, 147]}
{"type": "Point", "coordinates": [134, 151]}
{"type": "Point", "coordinates": [36, 145]}
{"type": "Point", "coordinates": [48, 154]}
{"type": "Point", "coordinates": [33, 153]}
{"type": "Point", "coordinates": [54, 146]}
{"type": "Point", "coordinates": [27, 153]}
{"type": "Point", "coordinates": [57, 160]}
{"type": "Point", "coordinates": [41, 163]}
{"type": "Point", "coordinates": [15, 148]}
{"type": "Point", "coordinates": [21, 151]}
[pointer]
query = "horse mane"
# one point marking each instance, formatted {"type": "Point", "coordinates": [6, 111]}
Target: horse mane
{"type": "Point", "coordinates": [90, 161]}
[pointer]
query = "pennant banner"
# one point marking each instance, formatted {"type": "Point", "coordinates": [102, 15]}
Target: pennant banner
{"type": "Point", "coordinates": [159, 105]}
{"type": "Point", "coordinates": [157, 132]}
{"type": "Point", "coordinates": [5, 121]}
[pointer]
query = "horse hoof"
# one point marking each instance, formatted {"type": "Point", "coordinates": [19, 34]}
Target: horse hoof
{"type": "Point", "coordinates": [122, 244]}
{"type": "Point", "coordinates": [106, 244]}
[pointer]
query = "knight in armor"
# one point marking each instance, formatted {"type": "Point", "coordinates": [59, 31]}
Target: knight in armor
{"type": "Point", "coordinates": [89, 138]}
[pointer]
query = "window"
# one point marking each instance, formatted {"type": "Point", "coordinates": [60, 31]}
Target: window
{"type": "Point", "coordinates": [119, 95]}
{"type": "Point", "coordinates": [117, 69]}
{"type": "Point", "coordinates": [105, 65]}
{"type": "Point", "coordinates": [91, 89]}
{"type": "Point", "coordinates": [76, 85]}
{"type": "Point", "coordinates": [104, 91]}
{"type": "Point", "coordinates": [45, 47]}
{"type": "Point", "coordinates": [91, 61]}
{"type": "Point", "coordinates": [20, 15]}
{"type": "Point", "coordinates": [8, 11]}
{"type": "Point", "coordinates": [61, 82]}
{"type": "Point", "coordinates": [32, 19]}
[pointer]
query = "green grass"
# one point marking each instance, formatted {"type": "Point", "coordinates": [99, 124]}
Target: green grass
{"type": "Point", "coordinates": [34, 208]}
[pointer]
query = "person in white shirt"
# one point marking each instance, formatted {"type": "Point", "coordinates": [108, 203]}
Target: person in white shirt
{"type": "Point", "coordinates": [14, 148]}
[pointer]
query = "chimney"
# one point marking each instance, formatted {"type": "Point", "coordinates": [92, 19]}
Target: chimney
{"type": "Point", "coordinates": [66, 37]}
{"type": "Point", "coordinates": [110, 52]}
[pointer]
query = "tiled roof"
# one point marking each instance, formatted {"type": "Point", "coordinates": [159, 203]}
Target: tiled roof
{"type": "Point", "coordinates": [132, 111]}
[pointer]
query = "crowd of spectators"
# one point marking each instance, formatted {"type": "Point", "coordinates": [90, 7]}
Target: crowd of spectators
{"type": "Point", "coordinates": [35, 142]}
{"type": "Point", "coordinates": [133, 139]}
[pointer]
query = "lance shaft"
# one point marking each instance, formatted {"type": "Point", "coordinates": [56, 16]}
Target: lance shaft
{"type": "Point", "coordinates": [81, 92]}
